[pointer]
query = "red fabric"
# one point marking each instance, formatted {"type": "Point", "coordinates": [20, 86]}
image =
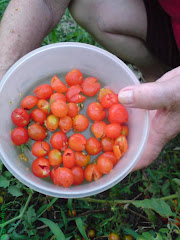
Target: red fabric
{"type": "Point", "coordinates": [172, 7]}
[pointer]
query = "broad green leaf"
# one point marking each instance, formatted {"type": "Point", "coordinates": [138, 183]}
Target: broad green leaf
{"type": "Point", "coordinates": [145, 236]}
{"type": "Point", "coordinates": [80, 226]}
{"type": "Point", "coordinates": [158, 205]}
{"type": "Point", "coordinates": [166, 188]}
{"type": "Point", "coordinates": [54, 228]}
{"type": "Point", "coordinates": [31, 214]}
{"type": "Point", "coordinates": [131, 232]}
{"type": "Point", "coordinates": [16, 192]}
{"type": "Point", "coordinates": [4, 183]}
{"type": "Point", "coordinates": [151, 215]}
{"type": "Point", "coordinates": [158, 237]}
{"type": "Point", "coordinates": [177, 181]}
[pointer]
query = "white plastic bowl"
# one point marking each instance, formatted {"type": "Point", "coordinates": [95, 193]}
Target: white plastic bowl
{"type": "Point", "coordinates": [38, 67]}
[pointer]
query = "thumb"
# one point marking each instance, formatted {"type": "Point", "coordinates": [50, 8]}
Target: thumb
{"type": "Point", "coordinates": [148, 96]}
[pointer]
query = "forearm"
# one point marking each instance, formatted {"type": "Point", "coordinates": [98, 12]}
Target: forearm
{"type": "Point", "coordinates": [24, 26]}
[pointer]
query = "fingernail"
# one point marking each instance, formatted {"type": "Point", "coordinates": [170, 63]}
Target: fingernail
{"type": "Point", "coordinates": [126, 97]}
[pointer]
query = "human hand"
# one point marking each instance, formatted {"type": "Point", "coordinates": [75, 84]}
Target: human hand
{"type": "Point", "coordinates": [162, 98]}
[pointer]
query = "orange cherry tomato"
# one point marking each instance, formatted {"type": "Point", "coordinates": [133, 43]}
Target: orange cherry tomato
{"type": "Point", "coordinates": [92, 172]}
{"type": "Point", "coordinates": [56, 96]}
{"type": "Point", "coordinates": [82, 159]}
{"type": "Point", "coordinates": [40, 149]}
{"type": "Point", "coordinates": [38, 116]}
{"type": "Point", "coordinates": [118, 114]}
{"type": "Point", "coordinates": [104, 164]}
{"type": "Point", "coordinates": [103, 92]}
{"type": "Point", "coordinates": [37, 132]}
{"type": "Point", "coordinates": [97, 129]}
{"type": "Point", "coordinates": [57, 85]}
{"type": "Point", "coordinates": [74, 77]}
{"type": "Point", "coordinates": [43, 105]}
{"type": "Point", "coordinates": [120, 146]}
{"type": "Point", "coordinates": [90, 86]}
{"type": "Point", "coordinates": [91, 233]}
{"type": "Point", "coordinates": [72, 213]}
{"type": "Point", "coordinates": [78, 174]}
{"type": "Point", "coordinates": [63, 177]}
{"type": "Point", "coordinates": [29, 102]}
{"type": "Point", "coordinates": [72, 109]}
{"type": "Point", "coordinates": [59, 140]}
{"type": "Point", "coordinates": [109, 99]}
{"type": "Point", "coordinates": [114, 236]}
{"type": "Point", "coordinates": [52, 123]}
{"type": "Point", "coordinates": [73, 94]}
{"type": "Point", "coordinates": [41, 167]}
{"type": "Point", "coordinates": [107, 144]}
{"type": "Point", "coordinates": [55, 158]}
{"type": "Point", "coordinates": [113, 130]}
{"type": "Point", "coordinates": [65, 124]}
{"type": "Point", "coordinates": [93, 146]}
{"type": "Point", "coordinates": [96, 111]}
{"type": "Point", "coordinates": [59, 108]}
{"type": "Point", "coordinates": [19, 135]}
{"type": "Point", "coordinates": [125, 130]}
{"type": "Point", "coordinates": [80, 123]}
{"type": "Point", "coordinates": [68, 158]}
{"type": "Point", "coordinates": [43, 91]}
{"type": "Point", "coordinates": [77, 142]}
{"type": "Point", "coordinates": [111, 156]}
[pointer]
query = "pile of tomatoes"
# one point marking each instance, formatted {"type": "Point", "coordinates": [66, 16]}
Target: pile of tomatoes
{"type": "Point", "coordinates": [56, 108]}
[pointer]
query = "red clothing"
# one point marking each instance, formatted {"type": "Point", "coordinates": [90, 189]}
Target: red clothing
{"type": "Point", "coordinates": [172, 7]}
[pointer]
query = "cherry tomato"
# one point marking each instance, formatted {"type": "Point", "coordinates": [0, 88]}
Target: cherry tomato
{"type": "Point", "coordinates": [19, 136]}
{"type": "Point", "coordinates": [120, 146]}
{"type": "Point", "coordinates": [107, 144]}
{"type": "Point", "coordinates": [90, 86]}
{"type": "Point", "coordinates": [72, 213]}
{"type": "Point", "coordinates": [29, 102]}
{"type": "Point", "coordinates": [57, 85]}
{"type": "Point", "coordinates": [103, 92]}
{"type": "Point", "coordinates": [114, 236]}
{"type": "Point", "coordinates": [82, 159]}
{"type": "Point", "coordinates": [177, 222]}
{"type": "Point", "coordinates": [77, 142]}
{"type": "Point", "coordinates": [104, 164]}
{"type": "Point", "coordinates": [55, 158]}
{"type": "Point", "coordinates": [38, 116]}
{"type": "Point", "coordinates": [96, 111]}
{"type": "Point", "coordinates": [124, 130]}
{"type": "Point", "coordinates": [73, 94]}
{"type": "Point", "coordinates": [63, 177]}
{"type": "Point", "coordinates": [37, 132]}
{"type": "Point", "coordinates": [72, 109]}
{"type": "Point", "coordinates": [113, 130]}
{"type": "Point", "coordinates": [98, 129]}
{"type": "Point", "coordinates": [111, 156]}
{"type": "Point", "coordinates": [74, 77]}
{"type": "Point", "coordinates": [127, 237]}
{"type": "Point", "coordinates": [56, 96]}
{"type": "Point", "coordinates": [109, 99]}
{"type": "Point", "coordinates": [80, 123]}
{"type": "Point", "coordinates": [43, 91]}
{"type": "Point", "coordinates": [52, 122]}
{"type": "Point", "coordinates": [65, 124]}
{"type": "Point", "coordinates": [52, 173]}
{"type": "Point", "coordinates": [59, 108]}
{"type": "Point", "coordinates": [68, 158]}
{"type": "Point", "coordinates": [40, 149]}
{"type": "Point", "coordinates": [92, 172]}
{"type": "Point", "coordinates": [20, 117]}
{"type": "Point", "coordinates": [93, 146]}
{"type": "Point", "coordinates": [43, 105]}
{"type": "Point", "coordinates": [91, 233]}
{"type": "Point", "coordinates": [118, 114]}
{"type": "Point", "coordinates": [78, 174]}
{"type": "Point", "coordinates": [59, 140]}
{"type": "Point", "coordinates": [41, 167]}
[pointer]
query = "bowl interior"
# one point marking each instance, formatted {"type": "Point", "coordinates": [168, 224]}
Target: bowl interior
{"type": "Point", "coordinates": [38, 67]}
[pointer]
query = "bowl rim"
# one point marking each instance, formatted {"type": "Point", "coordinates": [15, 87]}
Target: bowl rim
{"type": "Point", "coordinates": [66, 193]}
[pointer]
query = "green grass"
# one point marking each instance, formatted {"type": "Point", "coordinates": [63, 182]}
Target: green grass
{"type": "Point", "coordinates": [136, 206]}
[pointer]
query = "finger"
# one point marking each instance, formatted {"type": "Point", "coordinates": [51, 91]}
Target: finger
{"type": "Point", "coordinates": [170, 74]}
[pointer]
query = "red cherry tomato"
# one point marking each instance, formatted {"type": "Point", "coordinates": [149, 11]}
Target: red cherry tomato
{"type": "Point", "coordinates": [113, 130]}
{"type": "Point", "coordinates": [19, 136]}
{"type": "Point", "coordinates": [73, 94]}
{"type": "Point", "coordinates": [77, 142]}
{"type": "Point", "coordinates": [78, 174]}
{"type": "Point", "coordinates": [109, 99]}
{"type": "Point", "coordinates": [120, 146]}
{"type": "Point", "coordinates": [125, 130]}
{"type": "Point", "coordinates": [103, 92]}
{"type": "Point", "coordinates": [92, 172]}
{"type": "Point", "coordinates": [65, 124]}
{"type": "Point", "coordinates": [104, 164]}
{"type": "Point", "coordinates": [96, 111]}
{"type": "Point", "coordinates": [52, 173]}
{"type": "Point", "coordinates": [40, 149]}
{"type": "Point", "coordinates": [63, 177]}
{"type": "Point", "coordinates": [55, 158]}
{"type": "Point", "coordinates": [38, 116]}
{"type": "Point", "coordinates": [59, 140]}
{"type": "Point", "coordinates": [43, 91]}
{"type": "Point", "coordinates": [82, 159]}
{"type": "Point", "coordinates": [98, 129]}
{"type": "Point", "coordinates": [114, 236]}
{"type": "Point", "coordinates": [111, 156]}
{"type": "Point", "coordinates": [90, 86]}
{"type": "Point", "coordinates": [43, 105]}
{"type": "Point", "coordinates": [52, 123]}
{"type": "Point", "coordinates": [57, 85]}
{"type": "Point", "coordinates": [72, 109]}
{"type": "Point", "coordinates": [107, 144]}
{"type": "Point", "coordinates": [80, 123]}
{"type": "Point", "coordinates": [56, 96]}
{"type": "Point", "coordinates": [37, 132]}
{"type": "Point", "coordinates": [93, 146]}
{"type": "Point", "coordinates": [68, 158]}
{"type": "Point", "coordinates": [59, 108]}
{"type": "Point", "coordinates": [20, 117]}
{"type": "Point", "coordinates": [118, 114]}
{"type": "Point", "coordinates": [41, 167]}
{"type": "Point", "coordinates": [74, 77]}
{"type": "Point", "coordinates": [29, 102]}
